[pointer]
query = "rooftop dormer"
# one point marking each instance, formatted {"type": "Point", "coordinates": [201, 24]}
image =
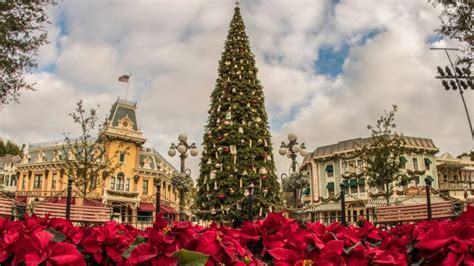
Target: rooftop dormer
{"type": "Point", "coordinates": [122, 122]}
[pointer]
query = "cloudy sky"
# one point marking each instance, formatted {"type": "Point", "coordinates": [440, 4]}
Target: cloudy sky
{"type": "Point", "coordinates": [329, 68]}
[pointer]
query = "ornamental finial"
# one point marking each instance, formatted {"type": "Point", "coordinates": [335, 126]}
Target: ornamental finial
{"type": "Point", "coordinates": [237, 2]}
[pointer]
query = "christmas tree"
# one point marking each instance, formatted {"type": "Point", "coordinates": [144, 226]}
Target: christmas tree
{"type": "Point", "coordinates": [237, 149]}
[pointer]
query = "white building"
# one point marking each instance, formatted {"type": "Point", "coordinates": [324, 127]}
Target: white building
{"type": "Point", "coordinates": [8, 172]}
{"type": "Point", "coordinates": [456, 176]}
{"type": "Point", "coordinates": [332, 165]}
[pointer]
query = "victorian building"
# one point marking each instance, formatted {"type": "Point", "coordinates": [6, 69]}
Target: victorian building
{"type": "Point", "coordinates": [8, 173]}
{"type": "Point", "coordinates": [456, 176]}
{"type": "Point", "coordinates": [129, 191]}
{"type": "Point", "coordinates": [332, 165]}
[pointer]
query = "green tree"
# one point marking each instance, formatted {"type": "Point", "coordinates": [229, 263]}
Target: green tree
{"type": "Point", "coordinates": [237, 148]}
{"type": "Point", "coordinates": [382, 156]}
{"type": "Point", "coordinates": [22, 32]}
{"type": "Point", "coordinates": [9, 147]}
{"type": "Point", "coordinates": [85, 157]}
{"type": "Point", "coordinates": [456, 23]}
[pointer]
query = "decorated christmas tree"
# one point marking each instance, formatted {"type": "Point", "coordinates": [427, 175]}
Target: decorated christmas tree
{"type": "Point", "coordinates": [237, 149]}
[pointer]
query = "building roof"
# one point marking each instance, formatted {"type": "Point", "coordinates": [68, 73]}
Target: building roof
{"type": "Point", "coordinates": [155, 160]}
{"type": "Point", "coordinates": [7, 159]}
{"type": "Point", "coordinates": [123, 108]}
{"type": "Point", "coordinates": [350, 145]}
{"type": "Point", "coordinates": [448, 160]}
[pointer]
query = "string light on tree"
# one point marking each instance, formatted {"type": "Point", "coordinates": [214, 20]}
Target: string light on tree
{"type": "Point", "coordinates": [237, 143]}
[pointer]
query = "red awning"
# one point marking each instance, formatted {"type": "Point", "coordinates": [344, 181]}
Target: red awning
{"type": "Point", "coordinates": [89, 202]}
{"type": "Point", "coordinates": [146, 207]}
{"type": "Point", "coordinates": [166, 209]}
{"type": "Point", "coordinates": [60, 200]}
{"type": "Point", "coordinates": [20, 199]}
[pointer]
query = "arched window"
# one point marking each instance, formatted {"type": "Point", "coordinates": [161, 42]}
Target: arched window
{"type": "Point", "coordinates": [120, 182]}
{"type": "Point", "coordinates": [112, 183]}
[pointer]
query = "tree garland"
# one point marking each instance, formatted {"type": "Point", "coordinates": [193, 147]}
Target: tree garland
{"type": "Point", "coordinates": [182, 182]}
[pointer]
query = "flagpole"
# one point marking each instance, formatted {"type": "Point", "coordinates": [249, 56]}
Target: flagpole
{"type": "Point", "coordinates": [128, 85]}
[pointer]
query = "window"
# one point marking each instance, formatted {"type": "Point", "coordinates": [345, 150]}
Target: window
{"type": "Point", "coordinates": [93, 183]}
{"type": "Point", "coordinates": [163, 189]}
{"type": "Point", "coordinates": [13, 180]}
{"type": "Point", "coordinates": [38, 181]}
{"type": "Point", "coordinates": [330, 188]}
{"type": "Point", "coordinates": [417, 180]}
{"type": "Point", "coordinates": [427, 164]}
{"type": "Point", "coordinates": [112, 183]}
{"type": "Point", "coordinates": [53, 181]}
{"type": "Point", "coordinates": [145, 187]}
{"type": "Point", "coordinates": [23, 182]}
{"type": "Point", "coordinates": [353, 183]}
{"type": "Point", "coordinates": [119, 184]}
{"type": "Point", "coordinates": [352, 166]}
{"type": "Point", "coordinates": [403, 162]}
{"type": "Point", "coordinates": [346, 185]}
{"type": "Point", "coordinates": [344, 168]}
{"type": "Point", "coordinates": [127, 184]}
{"type": "Point", "coordinates": [415, 164]}
{"type": "Point", "coordinates": [122, 157]}
{"type": "Point", "coordinates": [329, 170]}
{"type": "Point", "coordinates": [144, 216]}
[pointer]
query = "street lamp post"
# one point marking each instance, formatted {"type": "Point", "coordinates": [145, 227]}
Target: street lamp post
{"type": "Point", "coordinates": [291, 149]}
{"type": "Point", "coordinates": [456, 78]}
{"type": "Point", "coordinates": [428, 197]}
{"type": "Point", "coordinates": [158, 195]}
{"type": "Point", "coordinates": [183, 147]}
{"type": "Point", "coordinates": [465, 193]}
{"type": "Point", "coordinates": [343, 204]}
{"type": "Point", "coordinates": [250, 188]}
{"type": "Point", "coordinates": [68, 197]}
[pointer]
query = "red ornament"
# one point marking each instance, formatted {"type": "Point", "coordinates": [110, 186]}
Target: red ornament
{"type": "Point", "coordinates": [221, 196]}
{"type": "Point", "coordinates": [226, 149]}
{"type": "Point", "coordinates": [264, 177]}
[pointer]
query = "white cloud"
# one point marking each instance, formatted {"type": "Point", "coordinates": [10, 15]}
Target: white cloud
{"type": "Point", "coordinates": [172, 49]}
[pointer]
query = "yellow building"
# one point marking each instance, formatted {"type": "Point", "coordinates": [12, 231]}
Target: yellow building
{"type": "Point", "coordinates": [130, 190]}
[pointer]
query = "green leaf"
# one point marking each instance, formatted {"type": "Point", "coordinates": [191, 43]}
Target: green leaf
{"type": "Point", "coordinates": [58, 236]}
{"type": "Point", "coordinates": [191, 258]}
{"type": "Point", "coordinates": [139, 240]}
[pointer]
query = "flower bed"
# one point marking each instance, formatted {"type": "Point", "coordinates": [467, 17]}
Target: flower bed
{"type": "Point", "coordinates": [275, 240]}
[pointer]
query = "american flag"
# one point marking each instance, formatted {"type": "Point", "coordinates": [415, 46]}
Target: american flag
{"type": "Point", "coordinates": [124, 78]}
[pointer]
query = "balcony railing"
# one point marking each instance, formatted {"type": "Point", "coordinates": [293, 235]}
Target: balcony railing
{"type": "Point", "coordinates": [39, 193]}
{"type": "Point", "coordinates": [152, 199]}
{"type": "Point", "coordinates": [122, 193]}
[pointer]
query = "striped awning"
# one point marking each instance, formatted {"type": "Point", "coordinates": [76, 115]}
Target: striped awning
{"type": "Point", "coordinates": [330, 206]}
{"type": "Point", "coordinates": [380, 202]}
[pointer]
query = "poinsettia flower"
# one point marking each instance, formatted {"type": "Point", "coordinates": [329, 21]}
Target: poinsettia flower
{"type": "Point", "coordinates": [183, 232]}
{"type": "Point", "coordinates": [331, 254]}
{"type": "Point", "coordinates": [107, 242]}
{"type": "Point", "coordinates": [221, 248]}
{"type": "Point", "coordinates": [66, 254]}
{"type": "Point", "coordinates": [436, 238]}
{"type": "Point", "coordinates": [284, 256]}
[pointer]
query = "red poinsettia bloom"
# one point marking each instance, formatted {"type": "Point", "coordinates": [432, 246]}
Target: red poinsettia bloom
{"type": "Point", "coordinates": [220, 247]}
{"type": "Point", "coordinates": [163, 242]}
{"type": "Point", "coordinates": [106, 243]}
